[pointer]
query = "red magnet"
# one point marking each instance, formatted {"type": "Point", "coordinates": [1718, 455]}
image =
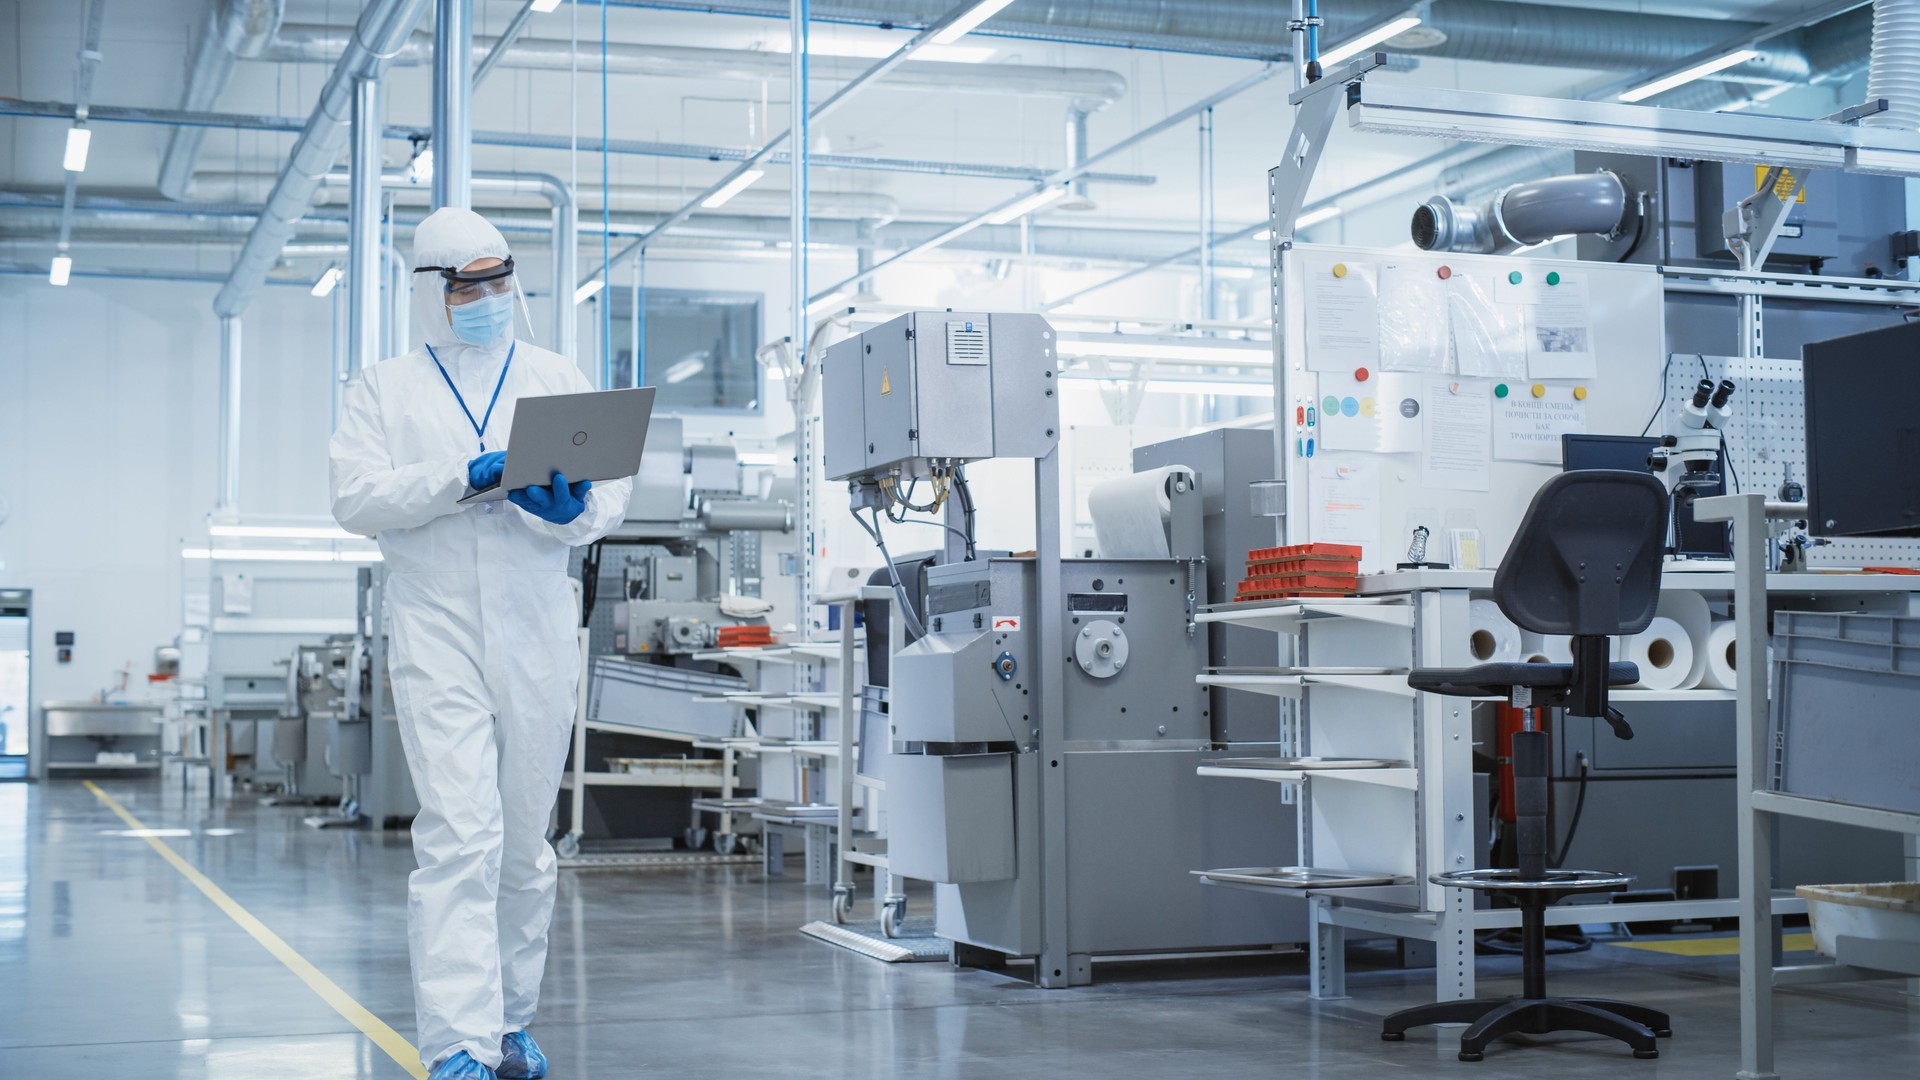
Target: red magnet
{"type": "Point", "coordinates": [1443, 273]}
{"type": "Point", "coordinates": [1359, 374]}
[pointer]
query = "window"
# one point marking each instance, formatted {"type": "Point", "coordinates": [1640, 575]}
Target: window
{"type": "Point", "coordinates": [698, 345]}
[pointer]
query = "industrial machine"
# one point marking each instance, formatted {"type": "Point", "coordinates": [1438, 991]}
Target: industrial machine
{"type": "Point", "coordinates": [1044, 721]}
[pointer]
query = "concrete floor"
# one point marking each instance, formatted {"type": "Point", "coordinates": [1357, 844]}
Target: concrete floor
{"type": "Point", "coordinates": [115, 966]}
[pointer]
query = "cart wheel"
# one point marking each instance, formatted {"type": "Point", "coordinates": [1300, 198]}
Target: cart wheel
{"type": "Point", "coordinates": [568, 846]}
{"type": "Point", "coordinates": [727, 843]}
{"type": "Point", "coordinates": [893, 918]}
{"type": "Point", "coordinates": [842, 905]}
{"type": "Point", "coordinates": [694, 837]}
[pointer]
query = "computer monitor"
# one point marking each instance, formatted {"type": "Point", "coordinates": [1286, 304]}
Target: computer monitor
{"type": "Point", "coordinates": [1624, 452]}
{"type": "Point", "coordinates": [1863, 425]}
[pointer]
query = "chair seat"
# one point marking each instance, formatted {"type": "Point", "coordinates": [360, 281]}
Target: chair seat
{"type": "Point", "coordinates": [1559, 881]}
{"type": "Point", "coordinates": [1498, 680]}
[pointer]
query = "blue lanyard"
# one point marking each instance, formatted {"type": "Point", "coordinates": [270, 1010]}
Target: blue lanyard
{"type": "Point", "coordinates": [480, 426]}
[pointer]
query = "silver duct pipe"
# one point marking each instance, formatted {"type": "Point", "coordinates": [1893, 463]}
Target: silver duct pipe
{"type": "Point", "coordinates": [1091, 88]}
{"type": "Point", "coordinates": [229, 494]}
{"type": "Point", "coordinates": [1493, 30]}
{"type": "Point", "coordinates": [1077, 197]}
{"type": "Point", "coordinates": [1895, 71]}
{"type": "Point", "coordinates": [383, 25]}
{"type": "Point", "coordinates": [1525, 214]}
{"type": "Point", "coordinates": [452, 95]}
{"type": "Point", "coordinates": [234, 28]}
{"type": "Point", "coordinates": [363, 225]}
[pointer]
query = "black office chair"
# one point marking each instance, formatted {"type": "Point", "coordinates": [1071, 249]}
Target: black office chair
{"type": "Point", "coordinates": [1586, 563]}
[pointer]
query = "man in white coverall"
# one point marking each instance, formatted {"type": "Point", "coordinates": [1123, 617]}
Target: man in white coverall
{"type": "Point", "coordinates": [485, 659]}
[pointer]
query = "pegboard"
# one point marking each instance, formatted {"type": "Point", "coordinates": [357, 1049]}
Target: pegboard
{"type": "Point", "coordinates": [1766, 440]}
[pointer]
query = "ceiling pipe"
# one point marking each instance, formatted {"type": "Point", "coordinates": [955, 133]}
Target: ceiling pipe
{"type": "Point", "coordinates": [234, 28]}
{"type": "Point", "coordinates": [1894, 73]}
{"type": "Point", "coordinates": [383, 25]}
{"type": "Point", "coordinates": [1524, 214]}
{"type": "Point", "coordinates": [452, 99]}
{"type": "Point", "coordinates": [82, 94]}
{"type": "Point", "coordinates": [363, 226]}
{"type": "Point", "coordinates": [1077, 196]}
{"type": "Point", "coordinates": [1090, 87]}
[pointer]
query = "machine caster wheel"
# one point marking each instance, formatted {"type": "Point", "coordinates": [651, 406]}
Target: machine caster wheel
{"type": "Point", "coordinates": [694, 837]}
{"type": "Point", "coordinates": [893, 917]}
{"type": "Point", "coordinates": [842, 906]}
{"type": "Point", "coordinates": [727, 844]}
{"type": "Point", "coordinates": [1393, 1036]}
{"type": "Point", "coordinates": [567, 846]}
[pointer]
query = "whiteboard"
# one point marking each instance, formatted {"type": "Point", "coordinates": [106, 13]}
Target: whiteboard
{"type": "Point", "coordinates": [1617, 372]}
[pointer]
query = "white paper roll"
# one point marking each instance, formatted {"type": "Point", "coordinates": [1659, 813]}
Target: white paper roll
{"type": "Point", "coordinates": [1664, 654]}
{"type": "Point", "coordinates": [1130, 513]}
{"type": "Point", "coordinates": [1720, 659]}
{"type": "Point", "coordinates": [1492, 638]}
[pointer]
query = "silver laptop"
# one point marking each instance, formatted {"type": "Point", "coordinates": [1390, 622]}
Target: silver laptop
{"type": "Point", "coordinates": [595, 436]}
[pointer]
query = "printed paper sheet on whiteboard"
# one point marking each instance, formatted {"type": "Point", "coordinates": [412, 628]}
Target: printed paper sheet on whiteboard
{"type": "Point", "coordinates": [1456, 454]}
{"type": "Point", "coordinates": [1489, 339]}
{"type": "Point", "coordinates": [1528, 428]}
{"type": "Point", "coordinates": [1343, 315]}
{"type": "Point", "coordinates": [1413, 320]}
{"type": "Point", "coordinates": [1346, 502]}
{"type": "Point", "coordinates": [1560, 340]}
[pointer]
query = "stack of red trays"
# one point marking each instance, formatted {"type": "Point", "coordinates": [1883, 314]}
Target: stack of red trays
{"type": "Point", "coordinates": [744, 637]}
{"type": "Point", "coordinates": [1301, 570]}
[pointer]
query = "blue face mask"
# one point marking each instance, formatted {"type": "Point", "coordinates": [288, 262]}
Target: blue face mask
{"type": "Point", "coordinates": [482, 321]}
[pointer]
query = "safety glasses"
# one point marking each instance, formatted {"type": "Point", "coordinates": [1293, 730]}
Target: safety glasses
{"type": "Point", "coordinates": [466, 286]}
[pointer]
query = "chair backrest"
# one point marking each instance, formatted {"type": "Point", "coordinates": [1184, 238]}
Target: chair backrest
{"type": "Point", "coordinates": [1586, 558]}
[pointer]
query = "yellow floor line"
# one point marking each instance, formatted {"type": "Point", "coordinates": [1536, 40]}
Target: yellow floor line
{"type": "Point", "coordinates": [374, 1028]}
{"type": "Point", "coordinates": [1711, 946]}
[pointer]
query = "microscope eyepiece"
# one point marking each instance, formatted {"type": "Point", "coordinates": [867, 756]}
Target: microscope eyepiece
{"type": "Point", "coordinates": [1702, 393]}
{"type": "Point", "coordinates": [1722, 393]}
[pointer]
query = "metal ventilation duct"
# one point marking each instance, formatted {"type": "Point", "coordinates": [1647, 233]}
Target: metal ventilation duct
{"type": "Point", "coordinates": [1524, 214]}
{"type": "Point", "coordinates": [234, 29]}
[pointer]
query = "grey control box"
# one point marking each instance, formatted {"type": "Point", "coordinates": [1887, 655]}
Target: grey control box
{"type": "Point", "coordinates": [939, 386]}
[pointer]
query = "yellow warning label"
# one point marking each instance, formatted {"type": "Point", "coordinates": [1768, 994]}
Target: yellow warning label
{"type": "Point", "coordinates": [886, 383]}
{"type": "Point", "coordinates": [1781, 187]}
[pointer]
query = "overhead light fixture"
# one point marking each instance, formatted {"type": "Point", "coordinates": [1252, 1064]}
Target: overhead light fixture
{"type": "Point", "coordinates": [327, 281]}
{"type": "Point", "coordinates": [283, 532]}
{"type": "Point", "coordinates": [964, 25]}
{"type": "Point", "coordinates": [1686, 75]}
{"type": "Point", "coordinates": [1045, 196]}
{"type": "Point", "coordinates": [878, 49]}
{"type": "Point", "coordinates": [732, 187]}
{"type": "Point", "coordinates": [61, 270]}
{"type": "Point", "coordinates": [420, 169]}
{"type": "Point", "coordinates": [682, 370]}
{"type": "Point", "coordinates": [1218, 388]}
{"type": "Point", "coordinates": [588, 291]}
{"type": "Point", "coordinates": [1148, 347]}
{"type": "Point", "coordinates": [278, 555]}
{"type": "Point", "coordinates": [1353, 47]}
{"type": "Point", "coordinates": [1317, 217]}
{"type": "Point", "coordinates": [545, 7]}
{"type": "Point", "coordinates": [79, 138]}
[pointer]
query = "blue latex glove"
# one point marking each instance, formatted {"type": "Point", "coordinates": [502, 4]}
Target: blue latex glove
{"type": "Point", "coordinates": [484, 471]}
{"type": "Point", "coordinates": [461, 1066]}
{"type": "Point", "coordinates": [559, 503]}
{"type": "Point", "coordinates": [520, 1057]}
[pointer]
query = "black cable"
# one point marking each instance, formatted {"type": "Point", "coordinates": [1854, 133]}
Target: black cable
{"type": "Point", "coordinates": [965, 496]}
{"type": "Point", "coordinates": [589, 582]}
{"type": "Point", "coordinates": [1660, 405]}
{"type": "Point", "coordinates": [1726, 452]}
{"type": "Point", "coordinates": [1579, 804]}
{"type": "Point", "coordinates": [893, 572]}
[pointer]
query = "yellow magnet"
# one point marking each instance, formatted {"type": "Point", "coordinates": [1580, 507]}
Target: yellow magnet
{"type": "Point", "coordinates": [1539, 389]}
{"type": "Point", "coordinates": [1339, 269]}
{"type": "Point", "coordinates": [1579, 393]}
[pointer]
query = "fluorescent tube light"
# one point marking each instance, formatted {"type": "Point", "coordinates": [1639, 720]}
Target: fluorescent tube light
{"type": "Point", "coordinates": [1218, 389]}
{"type": "Point", "coordinates": [1687, 75]}
{"type": "Point", "coordinates": [964, 25]}
{"type": "Point", "coordinates": [420, 169]}
{"type": "Point", "coordinates": [1316, 217]}
{"type": "Point", "coordinates": [327, 281]}
{"type": "Point", "coordinates": [732, 187]}
{"type": "Point", "coordinates": [1203, 350]}
{"type": "Point", "coordinates": [283, 532]}
{"type": "Point", "coordinates": [877, 49]}
{"type": "Point", "coordinates": [1353, 47]}
{"type": "Point", "coordinates": [588, 291]}
{"type": "Point", "coordinates": [61, 270]}
{"type": "Point", "coordinates": [686, 369]}
{"type": "Point", "coordinates": [79, 138]}
{"type": "Point", "coordinates": [277, 555]}
{"type": "Point", "coordinates": [1044, 197]}
{"type": "Point", "coordinates": [545, 6]}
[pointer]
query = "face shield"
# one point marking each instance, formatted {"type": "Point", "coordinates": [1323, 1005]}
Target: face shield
{"type": "Point", "coordinates": [445, 246]}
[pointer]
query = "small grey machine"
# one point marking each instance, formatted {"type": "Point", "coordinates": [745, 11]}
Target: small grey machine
{"type": "Point", "coordinates": [1045, 723]}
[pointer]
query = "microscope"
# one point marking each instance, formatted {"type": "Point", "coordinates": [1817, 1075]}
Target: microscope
{"type": "Point", "coordinates": [1692, 463]}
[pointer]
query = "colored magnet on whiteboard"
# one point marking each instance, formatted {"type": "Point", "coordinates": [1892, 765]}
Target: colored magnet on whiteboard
{"type": "Point", "coordinates": [1330, 407]}
{"type": "Point", "coordinates": [1339, 269]}
{"type": "Point", "coordinates": [1349, 406]}
{"type": "Point", "coordinates": [1360, 374]}
{"type": "Point", "coordinates": [1501, 390]}
{"type": "Point", "coordinates": [1443, 273]}
{"type": "Point", "coordinates": [1539, 389]}
{"type": "Point", "coordinates": [1553, 277]}
{"type": "Point", "coordinates": [1367, 408]}
{"type": "Point", "coordinates": [1579, 393]}
{"type": "Point", "coordinates": [1513, 278]}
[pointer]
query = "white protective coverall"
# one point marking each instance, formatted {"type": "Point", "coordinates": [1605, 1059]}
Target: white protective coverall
{"type": "Point", "coordinates": [485, 661]}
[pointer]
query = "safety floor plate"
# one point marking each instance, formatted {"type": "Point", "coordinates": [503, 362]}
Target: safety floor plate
{"type": "Point", "coordinates": [916, 943]}
{"type": "Point", "coordinates": [654, 860]}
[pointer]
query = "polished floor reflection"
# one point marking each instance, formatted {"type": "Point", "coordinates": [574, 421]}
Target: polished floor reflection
{"type": "Point", "coordinates": [116, 966]}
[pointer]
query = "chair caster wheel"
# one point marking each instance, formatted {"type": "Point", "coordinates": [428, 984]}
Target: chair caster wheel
{"type": "Point", "coordinates": [1646, 1055]}
{"type": "Point", "coordinates": [1393, 1036]}
{"type": "Point", "coordinates": [1471, 1055]}
{"type": "Point", "coordinates": [1664, 1033]}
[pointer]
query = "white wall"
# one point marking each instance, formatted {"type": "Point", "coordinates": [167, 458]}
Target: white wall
{"type": "Point", "coordinates": [109, 420]}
